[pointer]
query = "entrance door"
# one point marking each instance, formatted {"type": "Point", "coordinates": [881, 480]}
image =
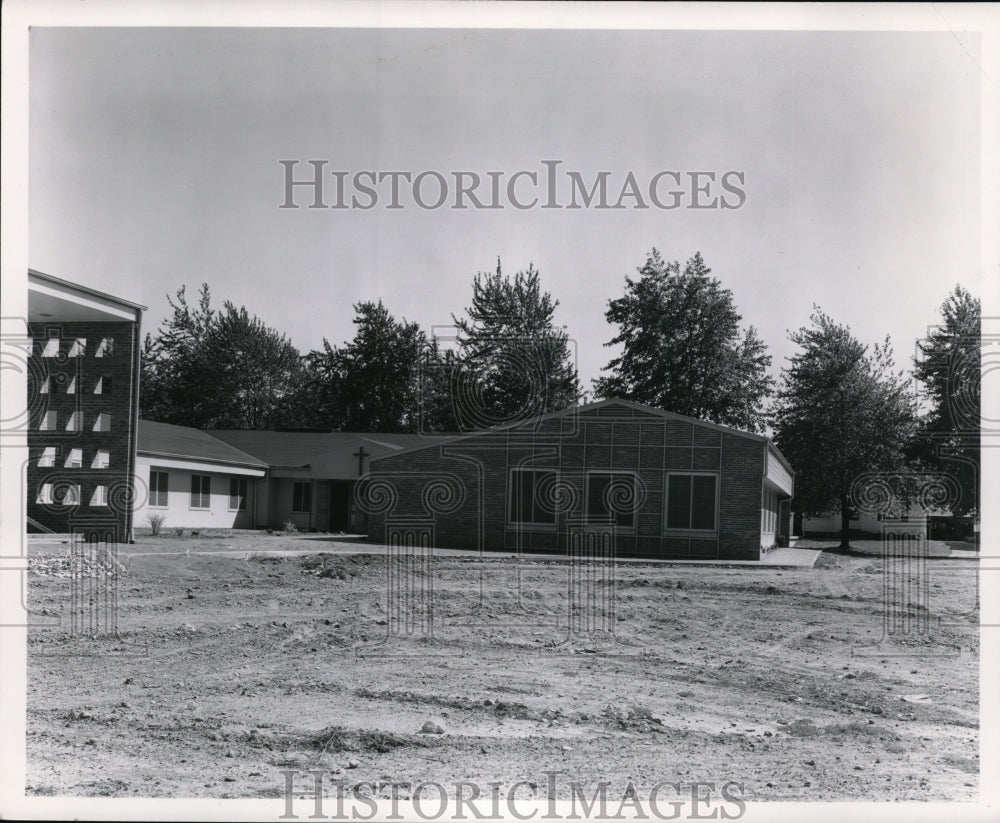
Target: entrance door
{"type": "Point", "coordinates": [340, 505]}
{"type": "Point", "coordinates": [323, 505]}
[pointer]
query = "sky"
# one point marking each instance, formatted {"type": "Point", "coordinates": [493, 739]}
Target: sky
{"type": "Point", "coordinates": [154, 163]}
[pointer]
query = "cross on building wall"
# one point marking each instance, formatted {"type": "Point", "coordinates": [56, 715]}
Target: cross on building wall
{"type": "Point", "coordinates": [361, 454]}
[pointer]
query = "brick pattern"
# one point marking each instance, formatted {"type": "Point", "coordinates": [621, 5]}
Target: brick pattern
{"type": "Point", "coordinates": [115, 372]}
{"type": "Point", "coordinates": [478, 469]}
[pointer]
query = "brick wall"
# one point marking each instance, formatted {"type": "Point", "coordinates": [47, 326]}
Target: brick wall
{"type": "Point", "coordinates": [461, 491]}
{"type": "Point", "coordinates": [109, 516]}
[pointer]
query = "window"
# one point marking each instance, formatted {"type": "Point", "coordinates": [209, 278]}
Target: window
{"type": "Point", "coordinates": [302, 497]}
{"type": "Point", "coordinates": [527, 497]}
{"type": "Point", "coordinates": [50, 420]}
{"type": "Point", "coordinates": [74, 459]}
{"type": "Point", "coordinates": [105, 348]}
{"type": "Point", "coordinates": [70, 494]}
{"type": "Point", "coordinates": [201, 491]}
{"type": "Point", "coordinates": [99, 496]}
{"type": "Point", "coordinates": [237, 494]}
{"type": "Point", "coordinates": [74, 422]}
{"type": "Point", "coordinates": [692, 500]}
{"type": "Point", "coordinates": [157, 489]}
{"type": "Point", "coordinates": [51, 348]}
{"type": "Point", "coordinates": [71, 388]}
{"type": "Point", "coordinates": [47, 458]}
{"type": "Point", "coordinates": [79, 347]}
{"type": "Point", "coordinates": [44, 493]}
{"type": "Point", "coordinates": [611, 497]}
{"type": "Point", "coordinates": [103, 385]}
{"type": "Point", "coordinates": [102, 459]}
{"type": "Point", "coordinates": [102, 423]}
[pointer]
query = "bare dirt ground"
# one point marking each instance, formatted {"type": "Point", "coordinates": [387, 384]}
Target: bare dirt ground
{"type": "Point", "coordinates": [227, 671]}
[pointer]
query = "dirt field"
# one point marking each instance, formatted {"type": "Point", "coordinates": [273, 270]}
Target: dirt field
{"type": "Point", "coordinates": [228, 671]}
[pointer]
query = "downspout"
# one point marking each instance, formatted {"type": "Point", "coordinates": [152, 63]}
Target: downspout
{"type": "Point", "coordinates": [134, 434]}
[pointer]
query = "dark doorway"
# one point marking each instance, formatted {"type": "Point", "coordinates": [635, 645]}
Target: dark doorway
{"type": "Point", "coordinates": [340, 505]}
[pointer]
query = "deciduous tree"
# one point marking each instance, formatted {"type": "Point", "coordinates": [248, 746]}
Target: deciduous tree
{"type": "Point", "coordinates": [842, 412]}
{"type": "Point", "coordinates": [217, 369]}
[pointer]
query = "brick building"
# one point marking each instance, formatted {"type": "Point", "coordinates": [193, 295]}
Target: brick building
{"type": "Point", "coordinates": [83, 392]}
{"type": "Point", "coordinates": [644, 482]}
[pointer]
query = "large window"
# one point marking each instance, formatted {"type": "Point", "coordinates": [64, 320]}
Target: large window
{"type": "Point", "coordinates": [201, 491]}
{"type": "Point", "coordinates": [157, 489]}
{"type": "Point", "coordinates": [692, 501]}
{"type": "Point", "coordinates": [302, 498]}
{"type": "Point", "coordinates": [611, 498]}
{"type": "Point", "coordinates": [237, 494]}
{"type": "Point", "coordinates": [528, 497]}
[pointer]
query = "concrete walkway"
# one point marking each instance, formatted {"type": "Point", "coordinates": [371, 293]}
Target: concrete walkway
{"type": "Point", "coordinates": [778, 558]}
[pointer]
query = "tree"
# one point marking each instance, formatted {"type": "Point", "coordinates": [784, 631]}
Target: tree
{"type": "Point", "coordinates": [842, 412]}
{"type": "Point", "coordinates": [948, 439]}
{"type": "Point", "coordinates": [515, 363]}
{"type": "Point", "coordinates": [254, 369]}
{"type": "Point", "coordinates": [371, 383]}
{"type": "Point", "coordinates": [682, 347]}
{"type": "Point", "coordinates": [211, 369]}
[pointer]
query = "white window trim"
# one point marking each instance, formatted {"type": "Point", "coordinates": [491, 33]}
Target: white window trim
{"type": "Point", "coordinates": [675, 532]}
{"type": "Point", "coordinates": [201, 494]}
{"type": "Point", "coordinates": [153, 505]}
{"type": "Point", "coordinates": [528, 524]}
{"type": "Point", "coordinates": [246, 496]}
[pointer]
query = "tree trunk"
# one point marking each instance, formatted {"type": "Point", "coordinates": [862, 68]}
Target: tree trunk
{"type": "Point", "coordinates": [845, 523]}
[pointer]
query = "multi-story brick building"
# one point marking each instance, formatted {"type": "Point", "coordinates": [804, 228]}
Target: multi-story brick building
{"type": "Point", "coordinates": [83, 393]}
{"type": "Point", "coordinates": [642, 481]}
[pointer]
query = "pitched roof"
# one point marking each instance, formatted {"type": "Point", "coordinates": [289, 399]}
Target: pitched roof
{"type": "Point", "coordinates": [610, 408]}
{"type": "Point", "coordinates": [291, 448]}
{"type": "Point", "coordinates": [168, 440]}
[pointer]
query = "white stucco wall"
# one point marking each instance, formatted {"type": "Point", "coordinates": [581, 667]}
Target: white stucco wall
{"type": "Point", "coordinates": [178, 511]}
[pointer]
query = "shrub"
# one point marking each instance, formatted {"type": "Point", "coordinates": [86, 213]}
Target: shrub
{"type": "Point", "coordinates": [289, 526]}
{"type": "Point", "coordinates": [179, 532]}
{"type": "Point", "coordinates": [156, 522]}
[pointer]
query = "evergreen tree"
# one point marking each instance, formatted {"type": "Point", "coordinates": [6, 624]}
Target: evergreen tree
{"type": "Point", "coordinates": [371, 383]}
{"type": "Point", "coordinates": [682, 347]}
{"type": "Point", "coordinates": [515, 363]}
{"type": "Point", "coordinates": [949, 367]}
{"type": "Point", "coordinates": [842, 412]}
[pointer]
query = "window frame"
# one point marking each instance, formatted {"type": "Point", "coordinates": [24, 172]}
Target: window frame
{"type": "Point", "coordinates": [529, 524]}
{"type": "Point", "coordinates": [611, 473]}
{"type": "Point", "coordinates": [239, 482]}
{"type": "Point", "coordinates": [307, 485]}
{"type": "Point", "coordinates": [155, 492]}
{"type": "Point", "coordinates": [205, 483]}
{"type": "Point", "coordinates": [44, 496]}
{"type": "Point", "coordinates": [691, 532]}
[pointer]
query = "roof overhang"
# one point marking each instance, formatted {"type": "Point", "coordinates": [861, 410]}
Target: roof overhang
{"type": "Point", "coordinates": [51, 299]}
{"type": "Point", "coordinates": [198, 464]}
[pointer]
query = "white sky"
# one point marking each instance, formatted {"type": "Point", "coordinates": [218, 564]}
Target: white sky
{"type": "Point", "coordinates": [154, 163]}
